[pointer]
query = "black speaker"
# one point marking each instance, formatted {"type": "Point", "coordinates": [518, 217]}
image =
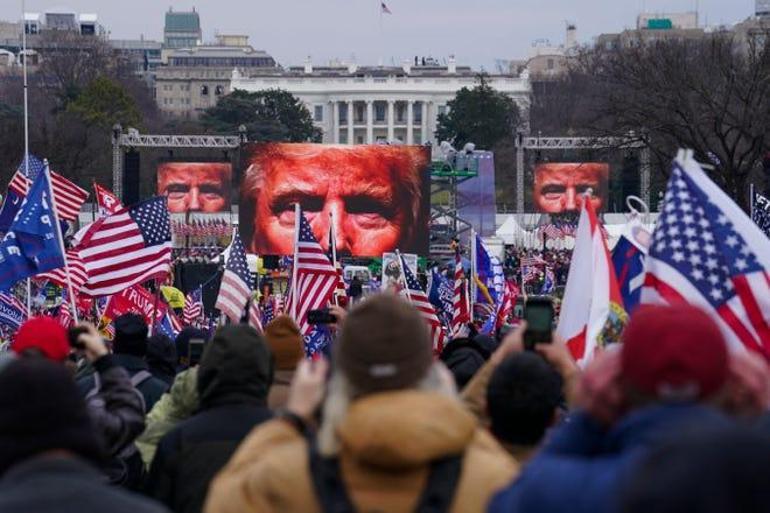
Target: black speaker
{"type": "Point", "coordinates": [131, 165]}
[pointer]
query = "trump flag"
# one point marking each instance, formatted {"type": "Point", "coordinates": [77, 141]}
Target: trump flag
{"type": "Point", "coordinates": [706, 251]}
{"type": "Point", "coordinates": [592, 310]}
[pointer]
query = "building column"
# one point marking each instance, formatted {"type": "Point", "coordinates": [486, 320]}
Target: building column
{"type": "Point", "coordinates": [391, 121]}
{"type": "Point", "coordinates": [335, 122]}
{"type": "Point", "coordinates": [369, 122]}
{"type": "Point", "coordinates": [350, 122]}
{"type": "Point", "coordinates": [410, 122]}
{"type": "Point", "coordinates": [424, 125]}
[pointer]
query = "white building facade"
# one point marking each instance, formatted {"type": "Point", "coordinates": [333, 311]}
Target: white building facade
{"type": "Point", "coordinates": [366, 105]}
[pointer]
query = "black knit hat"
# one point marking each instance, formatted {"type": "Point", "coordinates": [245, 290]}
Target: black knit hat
{"type": "Point", "coordinates": [130, 335]}
{"type": "Point", "coordinates": [383, 345]}
{"type": "Point", "coordinates": [41, 410]}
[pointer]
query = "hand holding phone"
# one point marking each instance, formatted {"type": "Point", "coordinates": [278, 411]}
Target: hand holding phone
{"type": "Point", "coordinates": [322, 316]}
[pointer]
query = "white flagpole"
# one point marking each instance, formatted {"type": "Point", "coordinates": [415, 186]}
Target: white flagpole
{"type": "Point", "coordinates": [61, 242]}
{"type": "Point", "coordinates": [26, 124]}
{"type": "Point", "coordinates": [474, 271]}
{"type": "Point", "coordinates": [403, 275]}
{"type": "Point", "coordinates": [294, 291]}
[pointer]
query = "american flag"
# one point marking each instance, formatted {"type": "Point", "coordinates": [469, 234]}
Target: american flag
{"type": "Point", "coordinates": [316, 276]}
{"type": "Point", "coordinates": [255, 315]}
{"type": "Point", "coordinates": [552, 231]}
{"type": "Point", "coordinates": [127, 248]}
{"type": "Point", "coordinates": [416, 295]}
{"type": "Point", "coordinates": [760, 213]}
{"type": "Point", "coordinates": [332, 254]}
{"type": "Point", "coordinates": [237, 284]}
{"type": "Point", "coordinates": [68, 196]}
{"type": "Point", "coordinates": [193, 306]}
{"type": "Point", "coordinates": [78, 272]}
{"type": "Point", "coordinates": [268, 312]}
{"type": "Point", "coordinates": [505, 307]}
{"type": "Point", "coordinates": [531, 261]}
{"type": "Point", "coordinates": [461, 314]}
{"type": "Point", "coordinates": [706, 251]}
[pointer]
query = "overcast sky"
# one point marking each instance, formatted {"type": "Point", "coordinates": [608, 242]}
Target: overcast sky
{"type": "Point", "coordinates": [476, 31]}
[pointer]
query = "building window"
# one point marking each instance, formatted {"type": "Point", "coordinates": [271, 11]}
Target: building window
{"type": "Point", "coordinates": [318, 113]}
{"type": "Point", "coordinates": [219, 90]}
{"type": "Point", "coordinates": [344, 137]}
{"type": "Point", "coordinates": [359, 139]}
{"type": "Point", "coordinates": [359, 113]}
{"type": "Point", "coordinates": [379, 112]}
{"type": "Point", "coordinates": [343, 110]}
{"type": "Point", "coordinates": [442, 109]}
{"type": "Point", "coordinates": [204, 90]}
{"type": "Point", "coordinates": [400, 112]}
{"type": "Point", "coordinates": [550, 64]}
{"type": "Point", "coordinates": [418, 113]}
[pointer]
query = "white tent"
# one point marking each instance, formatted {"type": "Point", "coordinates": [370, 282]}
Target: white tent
{"type": "Point", "coordinates": [511, 232]}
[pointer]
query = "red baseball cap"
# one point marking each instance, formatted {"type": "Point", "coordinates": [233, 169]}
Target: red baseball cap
{"type": "Point", "coordinates": [44, 334]}
{"type": "Point", "coordinates": [674, 352]}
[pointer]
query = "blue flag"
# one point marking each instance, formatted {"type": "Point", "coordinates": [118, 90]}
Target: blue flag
{"type": "Point", "coordinates": [12, 312]}
{"type": "Point", "coordinates": [318, 341]}
{"type": "Point", "coordinates": [489, 272]}
{"type": "Point", "coordinates": [15, 196]}
{"type": "Point", "coordinates": [166, 327]}
{"type": "Point", "coordinates": [628, 261]}
{"type": "Point", "coordinates": [441, 295]}
{"type": "Point", "coordinates": [32, 244]}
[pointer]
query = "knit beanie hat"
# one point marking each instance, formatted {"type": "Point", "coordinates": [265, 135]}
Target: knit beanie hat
{"type": "Point", "coordinates": [42, 410]}
{"type": "Point", "coordinates": [44, 334]}
{"type": "Point", "coordinates": [674, 352]}
{"type": "Point", "coordinates": [130, 335]}
{"type": "Point", "coordinates": [383, 345]}
{"type": "Point", "coordinates": [285, 341]}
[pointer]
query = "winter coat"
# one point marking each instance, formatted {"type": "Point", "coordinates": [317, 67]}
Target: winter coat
{"type": "Point", "coordinates": [582, 467]}
{"type": "Point", "coordinates": [151, 389]}
{"type": "Point", "coordinates": [233, 380]}
{"type": "Point", "coordinates": [65, 485]}
{"type": "Point", "coordinates": [117, 412]}
{"type": "Point", "coordinates": [388, 441]}
{"type": "Point", "coordinates": [176, 405]}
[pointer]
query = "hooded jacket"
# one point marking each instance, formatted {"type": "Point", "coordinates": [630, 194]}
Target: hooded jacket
{"type": "Point", "coordinates": [388, 441]}
{"type": "Point", "coordinates": [587, 464]}
{"type": "Point", "coordinates": [233, 381]}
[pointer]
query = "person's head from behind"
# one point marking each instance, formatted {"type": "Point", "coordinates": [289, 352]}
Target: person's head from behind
{"type": "Point", "coordinates": [161, 353]}
{"type": "Point", "coordinates": [704, 469]}
{"type": "Point", "coordinates": [42, 412]}
{"type": "Point", "coordinates": [672, 353]}
{"type": "Point", "coordinates": [383, 346]}
{"type": "Point", "coordinates": [523, 397]}
{"type": "Point", "coordinates": [285, 341]}
{"type": "Point", "coordinates": [236, 366]}
{"type": "Point", "coordinates": [42, 336]}
{"type": "Point", "coordinates": [130, 335]}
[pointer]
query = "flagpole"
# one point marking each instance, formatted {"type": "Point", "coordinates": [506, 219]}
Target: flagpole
{"type": "Point", "coordinates": [751, 201]}
{"type": "Point", "coordinates": [403, 275]}
{"type": "Point", "coordinates": [474, 271]}
{"type": "Point", "coordinates": [294, 291]}
{"type": "Point", "coordinates": [47, 172]}
{"type": "Point", "coordinates": [26, 125]}
{"type": "Point", "coordinates": [333, 244]}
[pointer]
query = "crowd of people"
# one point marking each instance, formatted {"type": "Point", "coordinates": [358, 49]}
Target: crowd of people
{"type": "Point", "coordinates": [668, 420]}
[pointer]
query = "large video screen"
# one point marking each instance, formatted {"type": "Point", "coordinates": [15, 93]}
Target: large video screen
{"type": "Point", "coordinates": [558, 185]}
{"type": "Point", "coordinates": [196, 186]}
{"type": "Point", "coordinates": [379, 196]}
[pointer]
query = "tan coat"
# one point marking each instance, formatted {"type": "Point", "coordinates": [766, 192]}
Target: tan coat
{"type": "Point", "coordinates": [387, 440]}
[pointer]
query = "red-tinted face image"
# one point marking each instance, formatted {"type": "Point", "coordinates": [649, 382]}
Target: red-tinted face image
{"type": "Point", "coordinates": [195, 186]}
{"type": "Point", "coordinates": [558, 186]}
{"type": "Point", "coordinates": [373, 194]}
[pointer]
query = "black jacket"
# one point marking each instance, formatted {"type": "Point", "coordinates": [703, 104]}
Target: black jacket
{"type": "Point", "coordinates": [65, 485]}
{"type": "Point", "coordinates": [233, 381]}
{"type": "Point", "coordinates": [116, 412]}
{"type": "Point", "coordinates": [152, 388]}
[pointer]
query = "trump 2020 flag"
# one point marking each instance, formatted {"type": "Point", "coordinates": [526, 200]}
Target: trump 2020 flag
{"type": "Point", "coordinates": [592, 312]}
{"type": "Point", "coordinates": [706, 251]}
{"type": "Point", "coordinates": [32, 244]}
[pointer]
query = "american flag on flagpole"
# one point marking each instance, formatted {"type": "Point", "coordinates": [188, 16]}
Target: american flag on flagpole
{"type": "Point", "coordinates": [127, 248]}
{"type": "Point", "coordinates": [317, 278]}
{"type": "Point", "coordinates": [237, 284]}
{"type": "Point", "coordinates": [255, 316]}
{"type": "Point", "coordinates": [340, 290]}
{"type": "Point", "coordinates": [384, 8]}
{"type": "Point", "coordinates": [707, 251]}
{"type": "Point", "coordinates": [461, 313]}
{"type": "Point", "coordinates": [78, 272]}
{"type": "Point", "coordinates": [193, 306]}
{"type": "Point", "coordinates": [68, 196]}
{"type": "Point", "coordinates": [417, 297]}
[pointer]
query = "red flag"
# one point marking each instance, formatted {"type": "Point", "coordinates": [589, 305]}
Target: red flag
{"type": "Point", "coordinates": [108, 203]}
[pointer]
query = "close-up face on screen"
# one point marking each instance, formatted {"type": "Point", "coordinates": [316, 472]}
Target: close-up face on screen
{"type": "Point", "coordinates": [559, 186]}
{"type": "Point", "coordinates": [195, 186]}
{"type": "Point", "coordinates": [376, 196]}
